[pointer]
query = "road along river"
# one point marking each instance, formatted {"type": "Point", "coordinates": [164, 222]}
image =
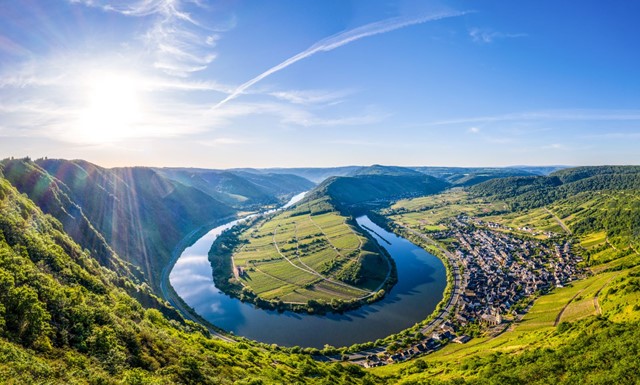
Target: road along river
{"type": "Point", "coordinates": [421, 283]}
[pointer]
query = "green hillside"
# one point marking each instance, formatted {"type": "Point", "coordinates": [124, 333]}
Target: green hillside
{"type": "Point", "coordinates": [468, 176]}
{"type": "Point", "coordinates": [77, 314]}
{"type": "Point", "coordinates": [55, 198]}
{"type": "Point", "coordinates": [376, 186]}
{"type": "Point", "coordinates": [530, 192]}
{"type": "Point", "coordinates": [584, 332]}
{"type": "Point", "coordinates": [241, 189]}
{"type": "Point", "coordinates": [64, 319]}
{"type": "Point", "coordinates": [133, 211]}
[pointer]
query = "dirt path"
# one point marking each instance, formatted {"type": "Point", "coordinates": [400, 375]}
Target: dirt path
{"type": "Point", "coordinates": [595, 297]}
{"type": "Point", "coordinates": [560, 222]}
{"type": "Point", "coordinates": [313, 272]}
{"type": "Point", "coordinates": [559, 316]}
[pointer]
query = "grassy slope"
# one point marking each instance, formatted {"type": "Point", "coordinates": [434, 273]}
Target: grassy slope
{"type": "Point", "coordinates": [537, 332]}
{"type": "Point", "coordinates": [299, 256]}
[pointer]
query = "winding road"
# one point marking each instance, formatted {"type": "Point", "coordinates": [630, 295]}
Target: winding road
{"type": "Point", "coordinates": [560, 222]}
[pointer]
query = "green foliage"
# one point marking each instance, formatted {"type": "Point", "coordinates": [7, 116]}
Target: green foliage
{"type": "Point", "coordinates": [374, 186]}
{"type": "Point", "coordinates": [131, 213]}
{"type": "Point", "coordinates": [602, 353]}
{"type": "Point", "coordinates": [531, 192]}
{"type": "Point", "coordinates": [64, 320]}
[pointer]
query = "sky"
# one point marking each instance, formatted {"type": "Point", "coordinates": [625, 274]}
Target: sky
{"type": "Point", "coordinates": [298, 83]}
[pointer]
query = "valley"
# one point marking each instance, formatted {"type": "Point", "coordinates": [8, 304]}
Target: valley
{"type": "Point", "coordinates": [541, 266]}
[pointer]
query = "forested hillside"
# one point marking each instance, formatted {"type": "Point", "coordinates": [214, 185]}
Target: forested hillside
{"type": "Point", "coordinates": [375, 186]}
{"type": "Point", "coordinates": [468, 176]}
{"type": "Point", "coordinates": [133, 211]}
{"type": "Point", "coordinates": [65, 319]}
{"type": "Point", "coordinates": [241, 189]}
{"type": "Point", "coordinates": [530, 192]}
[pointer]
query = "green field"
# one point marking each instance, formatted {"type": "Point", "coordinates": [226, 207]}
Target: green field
{"type": "Point", "coordinates": [427, 213]}
{"type": "Point", "coordinates": [297, 256]}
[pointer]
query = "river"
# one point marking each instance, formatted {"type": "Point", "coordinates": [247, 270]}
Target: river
{"type": "Point", "coordinates": [421, 283]}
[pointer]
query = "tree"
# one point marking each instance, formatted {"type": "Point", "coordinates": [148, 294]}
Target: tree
{"type": "Point", "coordinates": [27, 319]}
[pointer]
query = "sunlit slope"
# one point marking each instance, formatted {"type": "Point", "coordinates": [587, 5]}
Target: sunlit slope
{"type": "Point", "coordinates": [55, 198]}
{"type": "Point", "coordinates": [587, 332]}
{"type": "Point", "coordinates": [140, 214]}
{"type": "Point", "coordinates": [376, 186]}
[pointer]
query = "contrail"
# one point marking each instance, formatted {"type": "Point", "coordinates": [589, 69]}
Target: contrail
{"type": "Point", "coordinates": [339, 40]}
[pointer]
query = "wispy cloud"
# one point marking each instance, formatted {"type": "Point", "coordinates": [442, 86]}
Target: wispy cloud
{"type": "Point", "coordinates": [549, 115]}
{"type": "Point", "coordinates": [474, 130]}
{"type": "Point", "coordinates": [294, 115]}
{"type": "Point", "coordinates": [485, 36]}
{"type": "Point", "coordinates": [309, 97]}
{"type": "Point", "coordinates": [181, 44]}
{"type": "Point", "coordinates": [340, 40]}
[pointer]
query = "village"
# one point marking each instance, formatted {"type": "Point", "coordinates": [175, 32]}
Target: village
{"type": "Point", "coordinates": [498, 274]}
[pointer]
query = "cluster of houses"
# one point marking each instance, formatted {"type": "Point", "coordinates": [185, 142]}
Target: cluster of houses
{"type": "Point", "coordinates": [500, 270]}
{"type": "Point", "coordinates": [444, 333]}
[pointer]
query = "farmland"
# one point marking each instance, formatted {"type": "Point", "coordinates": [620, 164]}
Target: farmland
{"type": "Point", "coordinates": [300, 256]}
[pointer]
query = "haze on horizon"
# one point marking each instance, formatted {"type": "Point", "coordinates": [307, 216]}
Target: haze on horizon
{"type": "Point", "coordinates": [222, 84]}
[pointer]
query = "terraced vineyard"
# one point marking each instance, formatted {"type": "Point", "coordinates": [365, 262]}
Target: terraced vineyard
{"type": "Point", "coordinates": [297, 257]}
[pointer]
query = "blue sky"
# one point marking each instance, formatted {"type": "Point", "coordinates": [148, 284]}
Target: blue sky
{"type": "Point", "coordinates": [321, 83]}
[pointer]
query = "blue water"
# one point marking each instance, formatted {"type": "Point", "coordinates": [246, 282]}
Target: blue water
{"type": "Point", "coordinates": [421, 283]}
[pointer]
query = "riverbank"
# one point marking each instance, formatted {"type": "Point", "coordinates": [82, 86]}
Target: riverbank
{"type": "Point", "coordinates": [170, 295]}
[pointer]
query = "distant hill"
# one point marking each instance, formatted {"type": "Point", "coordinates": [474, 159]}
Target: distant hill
{"type": "Point", "coordinates": [139, 213]}
{"type": "Point", "coordinates": [240, 189]}
{"type": "Point", "coordinates": [375, 185]}
{"type": "Point", "coordinates": [536, 191]}
{"type": "Point", "coordinates": [468, 176]}
{"type": "Point", "coordinates": [314, 174]}
{"type": "Point", "coordinates": [378, 169]}
{"type": "Point", "coordinates": [539, 170]}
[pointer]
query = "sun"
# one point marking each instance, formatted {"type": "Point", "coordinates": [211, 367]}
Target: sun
{"type": "Point", "coordinates": [112, 107]}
